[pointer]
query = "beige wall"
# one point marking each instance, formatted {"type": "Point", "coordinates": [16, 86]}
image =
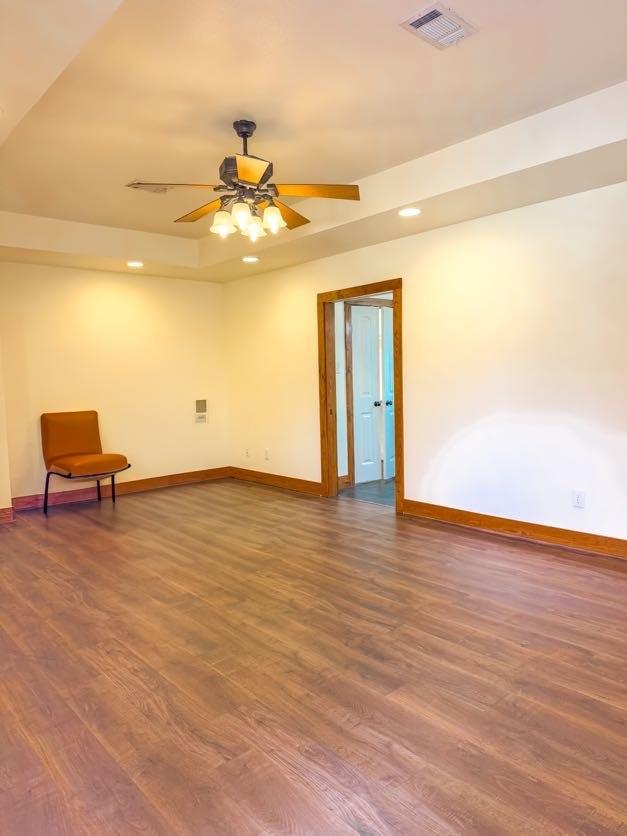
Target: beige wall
{"type": "Point", "coordinates": [515, 361]}
{"type": "Point", "coordinates": [140, 350]}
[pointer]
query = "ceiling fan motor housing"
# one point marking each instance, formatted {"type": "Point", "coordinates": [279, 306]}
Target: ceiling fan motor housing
{"type": "Point", "coordinates": [248, 171]}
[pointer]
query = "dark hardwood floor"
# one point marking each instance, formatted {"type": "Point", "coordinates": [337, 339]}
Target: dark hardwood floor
{"type": "Point", "coordinates": [232, 659]}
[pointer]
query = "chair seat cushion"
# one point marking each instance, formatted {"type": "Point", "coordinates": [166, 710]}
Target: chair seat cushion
{"type": "Point", "coordinates": [89, 464]}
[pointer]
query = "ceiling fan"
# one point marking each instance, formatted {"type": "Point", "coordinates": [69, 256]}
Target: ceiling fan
{"type": "Point", "coordinates": [247, 200]}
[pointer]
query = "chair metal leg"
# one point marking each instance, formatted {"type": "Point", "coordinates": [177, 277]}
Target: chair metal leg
{"type": "Point", "coordinates": [48, 475]}
{"type": "Point", "coordinates": [113, 488]}
{"type": "Point", "coordinates": [98, 489]}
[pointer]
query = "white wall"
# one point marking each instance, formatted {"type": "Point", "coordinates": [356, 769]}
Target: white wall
{"type": "Point", "coordinates": [515, 361]}
{"type": "Point", "coordinates": [138, 349]}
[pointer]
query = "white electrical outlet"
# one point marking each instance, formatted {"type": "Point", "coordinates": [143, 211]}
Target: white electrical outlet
{"type": "Point", "coordinates": [267, 454]}
{"type": "Point", "coordinates": [247, 453]}
{"type": "Point", "coordinates": [579, 499]}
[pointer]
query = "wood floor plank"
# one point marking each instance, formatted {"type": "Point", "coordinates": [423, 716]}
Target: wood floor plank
{"type": "Point", "coordinates": [61, 780]}
{"type": "Point", "coordinates": [228, 659]}
{"type": "Point", "coordinates": [289, 808]}
{"type": "Point", "coordinates": [550, 758]}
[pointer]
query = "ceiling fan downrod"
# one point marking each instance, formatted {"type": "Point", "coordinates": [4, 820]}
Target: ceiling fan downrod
{"type": "Point", "coordinates": [244, 128]}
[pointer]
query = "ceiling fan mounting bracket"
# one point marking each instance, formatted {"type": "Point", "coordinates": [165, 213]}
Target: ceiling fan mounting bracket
{"type": "Point", "coordinates": [244, 128]}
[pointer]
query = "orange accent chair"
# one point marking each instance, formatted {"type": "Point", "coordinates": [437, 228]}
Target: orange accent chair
{"type": "Point", "coordinates": [72, 449]}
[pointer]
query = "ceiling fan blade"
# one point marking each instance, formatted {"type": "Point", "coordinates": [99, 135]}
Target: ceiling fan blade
{"type": "Point", "coordinates": [318, 190]}
{"type": "Point", "coordinates": [165, 187]}
{"type": "Point", "coordinates": [292, 218]}
{"type": "Point", "coordinates": [196, 214]}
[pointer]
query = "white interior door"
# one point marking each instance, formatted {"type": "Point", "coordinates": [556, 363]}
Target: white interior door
{"type": "Point", "coordinates": [366, 392]}
{"type": "Point", "coordinates": [389, 458]}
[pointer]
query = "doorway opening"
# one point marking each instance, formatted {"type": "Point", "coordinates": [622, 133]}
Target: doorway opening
{"type": "Point", "coordinates": [364, 395]}
{"type": "Point", "coordinates": [361, 392]}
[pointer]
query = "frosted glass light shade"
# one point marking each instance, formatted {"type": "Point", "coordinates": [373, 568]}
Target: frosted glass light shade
{"type": "Point", "coordinates": [222, 224]}
{"type": "Point", "coordinates": [273, 219]}
{"type": "Point", "coordinates": [240, 214]}
{"type": "Point", "coordinates": [255, 229]}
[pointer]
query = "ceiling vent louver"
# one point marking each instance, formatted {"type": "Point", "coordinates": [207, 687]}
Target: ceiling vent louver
{"type": "Point", "coordinates": [439, 26]}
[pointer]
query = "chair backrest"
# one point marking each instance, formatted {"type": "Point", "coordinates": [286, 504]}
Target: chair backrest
{"type": "Point", "coordinates": [69, 433]}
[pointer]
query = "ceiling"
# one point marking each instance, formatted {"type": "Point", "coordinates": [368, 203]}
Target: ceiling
{"type": "Point", "coordinates": [604, 165]}
{"type": "Point", "coordinates": [37, 41]}
{"type": "Point", "coordinates": [339, 91]}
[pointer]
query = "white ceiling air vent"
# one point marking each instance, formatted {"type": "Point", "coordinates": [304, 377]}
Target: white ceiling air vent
{"type": "Point", "coordinates": [439, 26]}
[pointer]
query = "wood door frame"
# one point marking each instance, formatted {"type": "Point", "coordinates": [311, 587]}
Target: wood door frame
{"type": "Point", "coordinates": [372, 303]}
{"type": "Point", "coordinates": [326, 380]}
{"type": "Point", "coordinates": [349, 481]}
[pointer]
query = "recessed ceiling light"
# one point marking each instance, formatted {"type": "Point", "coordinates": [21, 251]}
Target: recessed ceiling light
{"type": "Point", "coordinates": [135, 265]}
{"type": "Point", "coordinates": [250, 259]}
{"type": "Point", "coordinates": [409, 212]}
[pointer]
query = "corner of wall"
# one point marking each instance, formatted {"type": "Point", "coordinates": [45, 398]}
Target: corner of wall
{"type": "Point", "coordinates": [5, 479]}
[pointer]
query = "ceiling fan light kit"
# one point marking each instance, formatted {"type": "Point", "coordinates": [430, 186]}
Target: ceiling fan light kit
{"type": "Point", "coordinates": [222, 224]}
{"type": "Point", "coordinates": [246, 191]}
{"type": "Point", "coordinates": [255, 229]}
{"type": "Point", "coordinates": [240, 212]}
{"type": "Point", "coordinates": [273, 219]}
